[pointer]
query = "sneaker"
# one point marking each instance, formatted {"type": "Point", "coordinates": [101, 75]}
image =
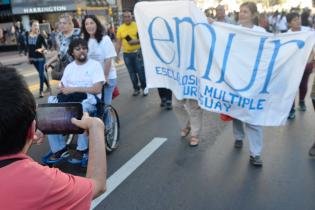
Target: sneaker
{"type": "Point", "coordinates": [238, 144]}
{"type": "Point", "coordinates": [256, 161]}
{"type": "Point", "coordinates": [163, 103]}
{"type": "Point", "coordinates": [168, 105]}
{"type": "Point", "coordinates": [64, 153]}
{"type": "Point", "coordinates": [145, 91]}
{"type": "Point", "coordinates": [78, 157]}
{"type": "Point", "coordinates": [302, 106]}
{"type": "Point", "coordinates": [291, 114]}
{"type": "Point", "coordinates": [136, 92]}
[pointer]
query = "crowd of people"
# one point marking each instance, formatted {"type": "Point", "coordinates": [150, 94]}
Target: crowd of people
{"type": "Point", "coordinates": [273, 22]}
{"type": "Point", "coordinates": [84, 60]}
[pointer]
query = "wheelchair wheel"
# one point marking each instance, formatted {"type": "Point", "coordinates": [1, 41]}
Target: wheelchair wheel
{"type": "Point", "coordinates": [111, 121]}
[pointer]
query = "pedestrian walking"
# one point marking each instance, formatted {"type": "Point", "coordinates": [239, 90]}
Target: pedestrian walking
{"type": "Point", "coordinates": [248, 18]}
{"type": "Point", "coordinates": [36, 45]}
{"type": "Point", "coordinates": [102, 50]}
{"type": "Point", "coordinates": [20, 37]}
{"type": "Point", "coordinates": [127, 38]}
{"type": "Point", "coordinates": [295, 26]}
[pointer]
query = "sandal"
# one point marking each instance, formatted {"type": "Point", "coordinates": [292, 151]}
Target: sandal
{"type": "Point", "coordinates": [185, 131]}
{"type": "Point", "coordinates": [194, 141]}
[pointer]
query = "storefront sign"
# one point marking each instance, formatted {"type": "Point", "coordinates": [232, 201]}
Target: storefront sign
{"type": "Point", "coordinates": [41, 6]}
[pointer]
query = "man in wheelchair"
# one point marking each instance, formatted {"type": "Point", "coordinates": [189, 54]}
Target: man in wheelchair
{"type": "Point", "coordinates": [81, 81]}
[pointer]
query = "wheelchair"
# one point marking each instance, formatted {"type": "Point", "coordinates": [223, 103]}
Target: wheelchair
{"type": "Point", "coordinates": [108, 114]}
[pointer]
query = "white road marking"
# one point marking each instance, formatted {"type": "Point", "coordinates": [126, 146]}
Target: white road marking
{"type": "Point", "coordinates": [128, 168]}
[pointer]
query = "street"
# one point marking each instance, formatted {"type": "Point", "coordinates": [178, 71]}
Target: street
{"type": "Point", "coordinates": [168, 174]}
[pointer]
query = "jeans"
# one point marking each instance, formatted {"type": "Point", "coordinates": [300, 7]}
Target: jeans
{"type": "Point", "coordinates": [108, 91]}
{"type": "Point", "coordinates": [39, 65]}
{"type": "Point", "coordinates": [57, 142]}
{"type": "Point", "coordinates": [134, 64]}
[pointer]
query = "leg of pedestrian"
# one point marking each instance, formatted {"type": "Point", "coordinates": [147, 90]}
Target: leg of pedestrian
{"type": "Point", "coordinates": [303, 86]}
{"type": "Point", "coordinates": [255, 138]}
{"type": "Point", "coordinates": [168, 100]}
{"type": "Point", "coordinates": [195, 117]}
{"type": "Point", "coordinates": [39, 65]}
{"type": "Point", "coordinates": [130, 62]}
{"type": "Point", "coordinates": [182, 117]}
{"type": "Point", "coordinates": [141, 74]}
{"type": "Point", "coordinates": [238, 133]}
{"type": "Point", "coordinates": [162, 97]}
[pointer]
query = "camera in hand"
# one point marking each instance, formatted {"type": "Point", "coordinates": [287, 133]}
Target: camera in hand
{"type": "Point", "coordinates": [56, 118]}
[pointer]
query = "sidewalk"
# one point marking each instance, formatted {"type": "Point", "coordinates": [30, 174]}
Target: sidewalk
{"type": "Point", "coordinates": [13, 58]}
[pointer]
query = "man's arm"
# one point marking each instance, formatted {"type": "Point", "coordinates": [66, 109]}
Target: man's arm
{"type": "Point", "coordinates": [134, 42]}
{"type": "Point", "coordinates": [118, 46]}
{"type": "Point", "coordinates": [96, 169]}
{"type": "Point", "coordinates": [95, 89]}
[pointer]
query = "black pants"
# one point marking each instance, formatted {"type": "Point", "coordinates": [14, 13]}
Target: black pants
{"type": "Point", "coordinates": [165, 94]}
{"type": "Point", "coordinates": [313, 100]}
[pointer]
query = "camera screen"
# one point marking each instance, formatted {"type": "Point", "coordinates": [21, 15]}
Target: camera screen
{"type": "Point", "coordinates": [56, 118]}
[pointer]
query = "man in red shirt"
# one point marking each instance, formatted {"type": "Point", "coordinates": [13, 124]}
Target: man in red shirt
{"type": "Point", "coordinates": [25, 184]}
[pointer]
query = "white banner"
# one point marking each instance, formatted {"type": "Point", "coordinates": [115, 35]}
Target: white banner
{"type": "Point", "coordinates": [251, 76]}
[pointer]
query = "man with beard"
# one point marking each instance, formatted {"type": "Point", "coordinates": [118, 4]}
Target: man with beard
{"type": "Point", "coordinates": [82, 80]}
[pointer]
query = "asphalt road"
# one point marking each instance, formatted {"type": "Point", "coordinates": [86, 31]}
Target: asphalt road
{"type": "Point", "coordinates": [157, 174]}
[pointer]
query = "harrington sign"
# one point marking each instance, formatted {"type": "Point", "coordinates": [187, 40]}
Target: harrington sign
{"type": "Point", "coordinates": [41, 6]}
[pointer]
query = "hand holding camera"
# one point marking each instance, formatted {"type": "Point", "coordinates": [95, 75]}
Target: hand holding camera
{"type": "Point", "coordinates": [88, 123]}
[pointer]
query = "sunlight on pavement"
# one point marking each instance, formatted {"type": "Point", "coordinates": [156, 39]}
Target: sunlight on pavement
{"type": "Point", "coordinates": [35, 87]}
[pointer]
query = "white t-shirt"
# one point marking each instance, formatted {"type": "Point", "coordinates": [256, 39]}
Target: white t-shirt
{"type": "Point", "coordinates": [282, 23]}
{"type": "Point", "coordinates": [101, 51]}
{"type": "Point", "coordinates": [303, 28]}
{"type": "Point", "coordinates": [85, 75]}
{"type": "Point", "coordinates": [255, 28]}
{"type": "Point", "coordinates": [258, 29]}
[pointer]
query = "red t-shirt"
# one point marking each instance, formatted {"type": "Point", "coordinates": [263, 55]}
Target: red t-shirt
{"type": "Point", "coordinates": [25, 184]}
